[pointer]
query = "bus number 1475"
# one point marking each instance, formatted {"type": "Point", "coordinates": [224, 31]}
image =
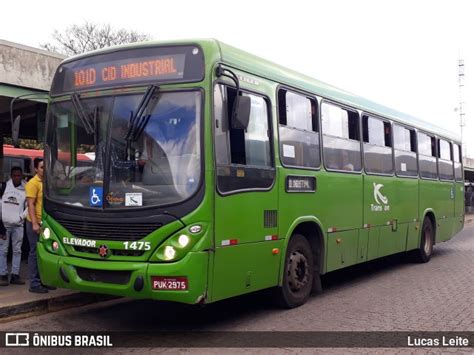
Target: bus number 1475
{"type": "Point", "coordinates": [137, 245]}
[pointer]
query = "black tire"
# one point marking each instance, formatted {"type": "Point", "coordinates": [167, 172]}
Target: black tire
{"type": "Point", "coordinates": [298, 275]}
{"type": "Point", "coordinates": [317, 285]}
{"type": "Point", "coordinates": [423, 253]}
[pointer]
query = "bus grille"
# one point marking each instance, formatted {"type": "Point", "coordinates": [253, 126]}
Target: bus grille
{"type": "Point", "coordinates": [108, 231]}
{"type": "Point", "coordinates": [111, 277]}
{"type": "Point", "coordinates": [115, 252]}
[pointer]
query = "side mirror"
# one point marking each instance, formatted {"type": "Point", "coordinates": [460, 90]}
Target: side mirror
{"type": "Point", "coordinates": [16, 130]}
{"type": "Point", "coordinates": [241, 112]}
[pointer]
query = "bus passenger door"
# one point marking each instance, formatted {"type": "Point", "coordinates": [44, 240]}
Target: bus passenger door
{"type": "Point", "coordinates": [246, 199]}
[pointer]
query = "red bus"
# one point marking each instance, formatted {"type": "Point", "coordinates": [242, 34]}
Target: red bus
{"type": "Point", "coordinates": [19, 157]}
{"type": "Point", "coordinates": [24, 158]}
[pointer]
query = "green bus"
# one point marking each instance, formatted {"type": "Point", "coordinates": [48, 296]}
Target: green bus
{"type": "Point", "coordinates": [213, 173]}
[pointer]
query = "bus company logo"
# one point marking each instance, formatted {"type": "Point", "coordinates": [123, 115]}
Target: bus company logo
{"type": "Point", "coordinates": [103, 251]}
{"type": "Point", "coordinates": [248, 80]}
{"type": "Point", "coordinates": [380, 199]}
{"type": "Point", "coordinates": [378, 195]}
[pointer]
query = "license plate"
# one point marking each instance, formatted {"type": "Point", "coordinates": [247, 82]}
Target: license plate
{"type": "Point", "coordinates": [169, 283]}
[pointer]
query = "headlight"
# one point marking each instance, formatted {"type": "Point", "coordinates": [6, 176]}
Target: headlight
{"type": "Point", "coordinates": [179, 244]}
{"type": "Point", "coordinates": [50, 241]}
{"type": "Point", "coordinates": [183, 240]}
{"type": "Point", "coordinates": [46, 233]}
{"type": "Point", "coordinates": [170, 252]}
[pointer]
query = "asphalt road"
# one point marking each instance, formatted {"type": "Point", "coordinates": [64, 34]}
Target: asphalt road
{"type": "Point", "coordinates": [390, 294]}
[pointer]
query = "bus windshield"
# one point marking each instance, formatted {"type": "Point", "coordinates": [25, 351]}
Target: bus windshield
{"type": "Point", "coordinates": [115, 152]}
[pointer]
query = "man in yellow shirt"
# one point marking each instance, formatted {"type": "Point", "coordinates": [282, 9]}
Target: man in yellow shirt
{"type": "Point", "coordinates": [34, 198]}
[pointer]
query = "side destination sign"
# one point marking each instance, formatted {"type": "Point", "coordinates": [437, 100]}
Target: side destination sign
{"type": "Point", "coordinates": [79, 242]}
{"type": "Point", "coordinates": [300, 183]}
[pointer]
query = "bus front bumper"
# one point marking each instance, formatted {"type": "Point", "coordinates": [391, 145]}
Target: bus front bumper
{"type": "Point", "coordinates": [129, 279]}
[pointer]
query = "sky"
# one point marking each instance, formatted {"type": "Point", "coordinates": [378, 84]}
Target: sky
{"type": "Point", "coordinates": [400, 53]}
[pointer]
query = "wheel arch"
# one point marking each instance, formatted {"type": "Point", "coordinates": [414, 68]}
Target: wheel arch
{"type": "Point", "coordinates": [430, 214]}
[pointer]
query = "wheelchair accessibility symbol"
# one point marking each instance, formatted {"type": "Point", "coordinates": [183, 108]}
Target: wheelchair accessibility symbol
{"type": "Point", "coordinates": [95, 196]}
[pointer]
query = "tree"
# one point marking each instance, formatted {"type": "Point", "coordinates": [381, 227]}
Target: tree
{"type": "Point", "coordinates": [78, 39]}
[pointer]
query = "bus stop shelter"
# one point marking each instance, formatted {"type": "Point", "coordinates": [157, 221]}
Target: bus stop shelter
{"type": "Point", "coordinates": [26, 74]}
{"type": "Point", "coordinates": [29, 106]}
{"type": "Point", "coordinates": [468, 170]}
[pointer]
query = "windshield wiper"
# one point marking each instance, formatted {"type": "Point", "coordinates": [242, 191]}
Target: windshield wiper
{"type": "Point", "coordinates": [95, 117]}
{"type": "Point", "coordinates": [139, 119]}
{"type": "Point", "coordinates": [85, 119]}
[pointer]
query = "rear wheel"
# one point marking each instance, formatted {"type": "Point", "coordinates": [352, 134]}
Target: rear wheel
{"type": "Point", "coordinates": [298, 275]}
{"type": "Point", "coordinates": [423, 253]}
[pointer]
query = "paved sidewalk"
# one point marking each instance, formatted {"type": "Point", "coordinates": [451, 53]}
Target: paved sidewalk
{"type": "Point", "coordinates": [17, 302]}
{"type": "Point", "coordinates": [468, 218]}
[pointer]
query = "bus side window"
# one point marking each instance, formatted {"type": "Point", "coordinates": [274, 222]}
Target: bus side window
{"type": "Point", "coordinates": [341, 138]}
{"type": "Point", "coordinates": [427, 156]}
{"type": "Point", "coordinates": [445, 160]}
{"type": "Point", "coordinates": [299, 138]}
{"type": "Point", "coordinates": [404, 143]}
{"type": "Point", "coordinates": [221, 127]}
{"type": "Point", "coordinates": [457, 163]}
{"type": "Point", "coordinates": [377, 135]}
{"type": "Point", "coordinates": [243, 156]}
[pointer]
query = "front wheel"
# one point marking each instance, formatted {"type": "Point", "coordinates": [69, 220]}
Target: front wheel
{"type": "Point", "coordinates": [423, 253]}
{"type": "Point", "coordinates": [298, 274]}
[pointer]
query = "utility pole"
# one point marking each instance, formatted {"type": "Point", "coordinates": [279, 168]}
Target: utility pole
{"type": "Point", "coordinates": [462, 119]}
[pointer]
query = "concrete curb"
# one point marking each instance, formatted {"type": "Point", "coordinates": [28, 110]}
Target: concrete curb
{"type": "Point", "coordinates": [54, 304]}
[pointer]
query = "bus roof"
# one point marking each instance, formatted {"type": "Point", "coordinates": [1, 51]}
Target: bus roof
{"type": "Point", "coordinates": [261, 67]}
{"type": "Point", "coordinates": [9, 150]}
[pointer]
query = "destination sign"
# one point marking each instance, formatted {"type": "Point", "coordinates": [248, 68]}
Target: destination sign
{"type": "Point", "coordinates": [129, 67]}
{"type": "Point", "coordinates": [169, 67]}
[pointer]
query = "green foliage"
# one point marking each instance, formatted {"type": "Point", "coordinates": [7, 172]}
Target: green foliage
{"type": "Point", "coordinates": [25, 143]}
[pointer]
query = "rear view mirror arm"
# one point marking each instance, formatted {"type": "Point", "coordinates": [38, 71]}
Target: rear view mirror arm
{"type": "Point", "coordinates": [220, 71]}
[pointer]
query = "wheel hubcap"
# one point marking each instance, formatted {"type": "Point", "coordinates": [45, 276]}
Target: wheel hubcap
{"type": "Point", "coordinates": [298, 271]}
{"type": "Point", "coordinates": [427, 246]}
